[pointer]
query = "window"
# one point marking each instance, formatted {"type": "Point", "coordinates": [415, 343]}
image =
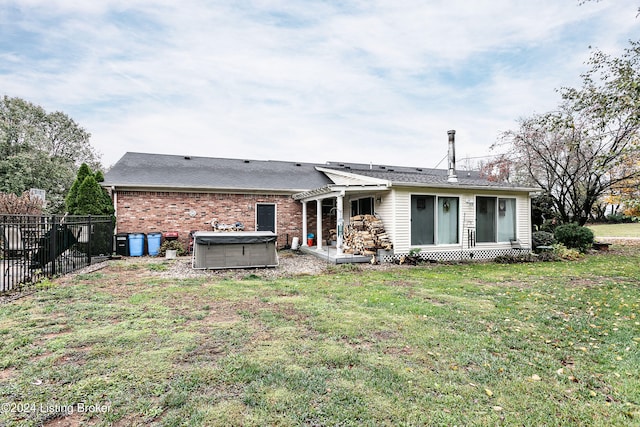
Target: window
{"type": "Point", "coordinates": [328, 206]}
{"type": "Point", "coordinates": [362, 206]}
{"type": "Point", "coordinates": [434, 220]}
{"type": "Point", "coordinates": [495, 219]}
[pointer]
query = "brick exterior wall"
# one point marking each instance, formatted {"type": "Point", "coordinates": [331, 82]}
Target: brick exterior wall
{"type": "Point", "coordinates": [151, 211]}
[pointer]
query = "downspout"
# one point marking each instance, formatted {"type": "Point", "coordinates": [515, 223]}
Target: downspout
{"type": "Point", "coordinates": [340, 223]}
{"type": "Point", "coordinates": [114, 195]}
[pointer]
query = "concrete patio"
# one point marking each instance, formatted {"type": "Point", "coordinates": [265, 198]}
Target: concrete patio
{"type": "Point", "coordinates": [330, 254]}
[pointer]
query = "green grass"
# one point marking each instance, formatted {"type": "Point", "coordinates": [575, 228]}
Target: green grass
{"type": "Point", "coordinates": [470, 344]}
{"type": "Point", "coordinates": [616, 230]}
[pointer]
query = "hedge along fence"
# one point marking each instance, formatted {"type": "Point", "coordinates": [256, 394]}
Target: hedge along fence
{"type": "Point", "coordinates": [37, 246]}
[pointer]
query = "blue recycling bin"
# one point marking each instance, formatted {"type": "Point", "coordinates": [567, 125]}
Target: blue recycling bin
{"type": "Point", "coordinates": [136, 244]}
{"type": "Point", "coordinates": [153, 243]}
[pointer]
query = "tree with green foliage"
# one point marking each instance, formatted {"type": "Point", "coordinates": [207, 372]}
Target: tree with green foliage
{"type": "Point", "coordinates": [86, 196]}
{"type": "Point", "coordinates": [40, 150]}
{"type": "Point", "coordinates": [71, 200]}
{"type": "Point", "coordinates": [89, 200]}
{"type": "Point", "coordinates": [572, 152]}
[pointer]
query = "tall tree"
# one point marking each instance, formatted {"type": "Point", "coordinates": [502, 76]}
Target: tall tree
{"type": "Point", "coordinates": [571, 152]}
{"type": "Point", "coordinates": [71, 200]}
{"type": "Point", "coordinates": [87, 197]}
{"type": "Point", "coordinates": [40, 150]}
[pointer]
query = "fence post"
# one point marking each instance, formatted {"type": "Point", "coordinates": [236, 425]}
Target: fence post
{"type": "Point", "coordinates": [112, 233]}
{"type": "Point", "coordinates": [90, 231]}
{"type": "Point", "coordinates": [53, 243]}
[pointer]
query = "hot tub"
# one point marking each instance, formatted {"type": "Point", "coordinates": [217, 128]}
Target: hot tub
{"type": "Point", "coordinates": [235, 249]}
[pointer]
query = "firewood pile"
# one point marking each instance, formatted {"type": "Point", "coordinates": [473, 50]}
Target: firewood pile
{"type": "Point", "coordinates": [364, 235]}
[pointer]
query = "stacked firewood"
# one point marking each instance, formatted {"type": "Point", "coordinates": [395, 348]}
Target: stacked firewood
{"type": "Point", "coordinates": [364, 235]}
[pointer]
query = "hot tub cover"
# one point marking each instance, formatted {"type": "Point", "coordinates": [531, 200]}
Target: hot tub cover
{"type": "Point", "coordinates": [233, 237]}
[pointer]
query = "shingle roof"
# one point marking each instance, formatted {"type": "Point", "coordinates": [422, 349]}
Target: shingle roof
{"type": "Point", "coordinates": [171, 171]}
{"type": "Point", "coordinates": [189, 172]}
{"type": "Point", "coordinates": [399, 175]}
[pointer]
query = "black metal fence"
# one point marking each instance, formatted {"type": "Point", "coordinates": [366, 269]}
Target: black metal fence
{"type": "Point", "coordinates": [35, 247]}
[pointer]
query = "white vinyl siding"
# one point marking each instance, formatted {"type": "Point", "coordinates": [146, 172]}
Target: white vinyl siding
{"type": "Point", "coordinates": [402, 211]}
{"type": "Point", "coordinates": [384, 204]}
{"type": "Point", "coordinates": [523, 220]}
{"type": "Point", "coordinates": [397, 218]}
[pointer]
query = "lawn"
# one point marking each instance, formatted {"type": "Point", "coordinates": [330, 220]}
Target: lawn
{"type": "Point", "coordinates": [616, 230]}
{"type": "Point", "coordinates": [469, 344]}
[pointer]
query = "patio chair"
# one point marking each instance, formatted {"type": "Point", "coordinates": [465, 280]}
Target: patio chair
{"type": "Point", "coordinates": [12, 241]}
{"type": "Point", "coordinates": [82, 234]}
{"type": "Point", "coordinates": [14, 247]}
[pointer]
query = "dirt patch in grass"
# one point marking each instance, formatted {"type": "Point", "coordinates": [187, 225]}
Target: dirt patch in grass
{"type": "Point", "coordinates": [206, 350]}
{"type": "Point", "coordinates": [7, 373]}
{"type": "Point", "coordinates": [401, 283]}
{"type": "Point", "coordinates": [219, 315]}
{"type": "Point", "coordinates": [52, 335]}
{"type": "Point", "coordinates": [72, 420]}
{"type": "Point", "coordinates": [76, 357]}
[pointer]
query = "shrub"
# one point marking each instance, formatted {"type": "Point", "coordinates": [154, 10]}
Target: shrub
{"type": "Point", "coordinates": [20, 205]}
{"type": "Point", "coordinates": [549, 225]}
{"type": "Point", "coordinates": [619, 219]}
{"type": "Point", "coordinates": [173, 245]}
{"type": "Point", "coordinates": [515, 259]}
{"type": "Point", "coordinates": [562, 252]}
{"type": "Point", "coordinates": [574, 236]}
{"type": "Point", "coordinates": [547, 257]}
{"type": "Point", "coordinates": [542, 238]}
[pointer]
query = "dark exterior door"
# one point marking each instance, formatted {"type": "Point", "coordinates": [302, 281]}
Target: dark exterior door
{"type": "Point", "coordinates": [266, 218]}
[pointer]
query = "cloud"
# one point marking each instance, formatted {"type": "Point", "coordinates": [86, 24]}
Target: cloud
{"type": "Point", "coordinates": [357, 80]}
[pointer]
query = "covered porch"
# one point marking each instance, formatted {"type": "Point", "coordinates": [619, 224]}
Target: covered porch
{"type": "Point", "coordinates": [337, 201]}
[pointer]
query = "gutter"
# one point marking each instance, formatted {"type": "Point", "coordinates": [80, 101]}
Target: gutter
{"type": "Point", "coordinates": [466, 187]}
{"type": "Point", "coordinates": [207, 189]}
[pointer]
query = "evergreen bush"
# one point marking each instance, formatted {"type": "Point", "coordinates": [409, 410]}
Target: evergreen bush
{"type": "Point", "coordinates": [574, 236]}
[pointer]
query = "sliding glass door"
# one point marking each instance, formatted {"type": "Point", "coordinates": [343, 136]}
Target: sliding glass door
{"type": "Point", "coordinates": [434, 220]}
{"type": "Point", "coordinates": [495, 219]}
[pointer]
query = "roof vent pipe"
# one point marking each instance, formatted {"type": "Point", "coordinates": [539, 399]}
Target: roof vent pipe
{"type": "Point", "coordinates": [451, 175]}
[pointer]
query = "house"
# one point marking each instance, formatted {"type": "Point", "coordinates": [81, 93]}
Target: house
{"type": "Point", "coordinates": [446, 214]}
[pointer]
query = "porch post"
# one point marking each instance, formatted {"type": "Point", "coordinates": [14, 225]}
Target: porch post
{"type": "Point", "coordinates": [319, 224]}
{"type": "Point", "coordinates": [340, 223]}
{"type": "Point", "coordinates": [304, 224]}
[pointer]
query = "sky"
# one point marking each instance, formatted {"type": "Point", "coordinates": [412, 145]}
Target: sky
{"type": "Point", "coordinates": [368, 81]}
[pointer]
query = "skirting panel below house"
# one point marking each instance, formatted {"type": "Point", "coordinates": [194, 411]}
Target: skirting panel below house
{"type": "Point", "coordinates": [464, 255]}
